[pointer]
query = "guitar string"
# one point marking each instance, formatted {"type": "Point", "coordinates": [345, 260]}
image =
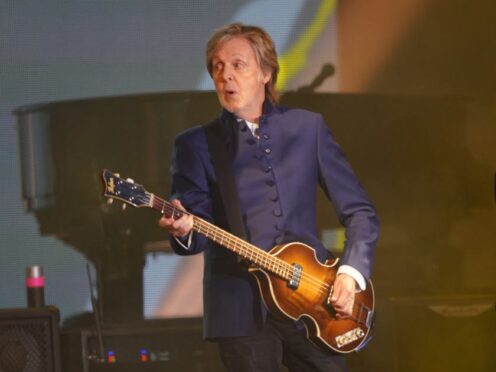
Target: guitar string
{"type": "Point", "coordinates": [274, 264]}
{"type": "Point", "coordinates": [242, 247]}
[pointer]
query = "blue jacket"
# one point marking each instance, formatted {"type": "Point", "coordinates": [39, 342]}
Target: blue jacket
{"type": "Point", "coordinates": [277, 178]}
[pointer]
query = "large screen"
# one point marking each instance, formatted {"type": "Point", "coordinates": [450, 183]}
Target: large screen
{"type": "Point", "coordinates": [59, 51]}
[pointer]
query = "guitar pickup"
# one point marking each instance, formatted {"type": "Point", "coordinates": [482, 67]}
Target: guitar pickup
{"type": "Point", "coordinates": [294, 280]}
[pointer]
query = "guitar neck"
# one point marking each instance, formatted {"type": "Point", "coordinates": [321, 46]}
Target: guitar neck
{"type": "Point", "coordinates": [237, 245]}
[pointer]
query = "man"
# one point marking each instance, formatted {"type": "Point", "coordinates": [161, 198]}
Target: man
{"type": "Point", "coordinates": [278, 157]}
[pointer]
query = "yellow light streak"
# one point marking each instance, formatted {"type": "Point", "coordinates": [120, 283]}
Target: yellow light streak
{"type": "Point", "coordinates": [291, 62]}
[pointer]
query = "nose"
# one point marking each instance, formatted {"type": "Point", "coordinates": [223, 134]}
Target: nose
{"type": "Point", "coordinates": [227, 73]}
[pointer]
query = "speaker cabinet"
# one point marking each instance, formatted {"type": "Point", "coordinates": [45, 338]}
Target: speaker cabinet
{"type": "Point", "coordinates": [444, 334]}
{"type": "Point", "coordinates": [29, 340]}
{"type": "Point", "coordinates": [431, 334]}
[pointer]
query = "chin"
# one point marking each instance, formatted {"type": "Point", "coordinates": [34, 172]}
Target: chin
{"type": "Point", "coordinates": [229, 107]}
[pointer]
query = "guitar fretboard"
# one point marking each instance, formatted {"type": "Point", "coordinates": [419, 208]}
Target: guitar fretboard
{"type": "Point", "coordinates": [237, 245]}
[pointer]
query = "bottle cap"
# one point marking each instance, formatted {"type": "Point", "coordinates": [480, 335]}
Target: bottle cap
{"type": "Point", "coordinates": [35, 271]}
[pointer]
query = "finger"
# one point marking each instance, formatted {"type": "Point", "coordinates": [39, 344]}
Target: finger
{"type": "Point", "coordinates": [175, 227]}
{"type": "Point", "coordinates": [336, 292]}
{"type": "Point", "coordinates": [177, 204]}
{"type": "Point", "coordinates": [168, 219]}
{"type": "Point", "coordinates": [342, 303]}
{"type": "Point", "coordinates": [344, 313]}
{"type": "Point", "coordinates": [341, 298]}
{"type": "Point", "coordinates": [344, 306]}
{"type": "Point", "coordinates": [165, 221]}
{"type": "Point", "coordinates": [348, 311]}
{"type": "Point", "coordinates": [180, 226]}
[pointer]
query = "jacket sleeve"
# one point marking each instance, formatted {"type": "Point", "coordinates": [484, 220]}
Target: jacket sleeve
{"type": "Point", "coordinates": [190, 185]}
{"type": "Point", "coordinates": [353, 207]}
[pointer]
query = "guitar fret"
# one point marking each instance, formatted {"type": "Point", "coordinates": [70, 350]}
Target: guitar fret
{"type": "Point", "coordinates": [245, 250]}
{"type": "Point", "coordinates": [227, 240]}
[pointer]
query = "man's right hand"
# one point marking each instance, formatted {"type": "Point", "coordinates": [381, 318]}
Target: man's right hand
{"type": "Point", "coordinates": [177, 227]}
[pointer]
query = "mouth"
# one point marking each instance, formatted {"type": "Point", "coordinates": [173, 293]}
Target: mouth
{"type": "Point", "coordinates": [230, 95]}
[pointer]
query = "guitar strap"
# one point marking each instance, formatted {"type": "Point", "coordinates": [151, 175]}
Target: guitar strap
{"type": "Point", "coordinates": [226, 194]}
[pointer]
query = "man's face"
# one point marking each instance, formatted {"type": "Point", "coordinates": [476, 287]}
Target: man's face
{"type": "Point", "coordinates": [239, 80]}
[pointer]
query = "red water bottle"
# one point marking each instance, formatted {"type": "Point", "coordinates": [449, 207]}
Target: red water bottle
{"type": "Point", "coordinates": [35, 286]}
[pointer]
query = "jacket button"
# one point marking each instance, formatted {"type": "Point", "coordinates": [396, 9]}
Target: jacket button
{"type": "Point", "coordinates": [268, 168]}
{"type": "Point", "coordinates": [266, 136]}
{"type": "Point", "coordinates": [277, 213]}
{"type": "Point", "coordinates": [267, 151]}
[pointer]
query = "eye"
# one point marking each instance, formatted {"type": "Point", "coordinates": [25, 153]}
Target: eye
{"type": "Point", "coordinates": [238, 65]}
{"type": "Point", "coordinates": [217, 67]}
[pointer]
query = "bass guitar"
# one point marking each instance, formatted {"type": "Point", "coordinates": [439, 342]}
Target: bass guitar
{"type": "Point", "coordinates": [292, 282]}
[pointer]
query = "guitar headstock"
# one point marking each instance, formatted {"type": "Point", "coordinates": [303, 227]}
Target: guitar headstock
{"type": "Point", "coordinates": [127, 191]}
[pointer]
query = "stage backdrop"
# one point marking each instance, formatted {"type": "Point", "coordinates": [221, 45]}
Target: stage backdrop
{"type": "Point", "coordinates": [57, 51]}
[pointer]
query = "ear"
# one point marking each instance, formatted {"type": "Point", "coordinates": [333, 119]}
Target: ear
{"type": "Point", "coordinates": [265, 77]}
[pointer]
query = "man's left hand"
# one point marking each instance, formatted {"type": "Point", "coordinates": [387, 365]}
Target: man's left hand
{"type": "Point", "coordinates": [343, 295]}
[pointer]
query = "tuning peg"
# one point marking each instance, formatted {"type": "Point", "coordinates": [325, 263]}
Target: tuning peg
{"type": "Point", "coordinates": [110, 201]}
{"type": "Point", "coordinates": [124, 207]}
{"type": "Point", "coordinates": [130, 180]}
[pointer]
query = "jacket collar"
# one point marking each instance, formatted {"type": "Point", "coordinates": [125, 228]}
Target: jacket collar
{"type": "Point", "coordinates": [228, 118]}
{"type": "Point", "coordinates": [230, 123]}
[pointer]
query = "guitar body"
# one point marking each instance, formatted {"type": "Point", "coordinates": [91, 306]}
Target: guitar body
{"type": "Point", "coordinates": [309, 301]}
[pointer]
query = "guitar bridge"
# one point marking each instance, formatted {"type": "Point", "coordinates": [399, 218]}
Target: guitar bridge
{"type": "Point", "coordinates": [294, 280]}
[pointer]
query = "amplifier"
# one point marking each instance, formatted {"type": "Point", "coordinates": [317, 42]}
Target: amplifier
{"type": "Point", "coordinates": [29, 339]}
{"type": "Point", "coordinates": [455, 333]}
{"type": "Point", "coordinates": [149, 345]}
{"type": "Point", "coordinates": [445, 333]}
